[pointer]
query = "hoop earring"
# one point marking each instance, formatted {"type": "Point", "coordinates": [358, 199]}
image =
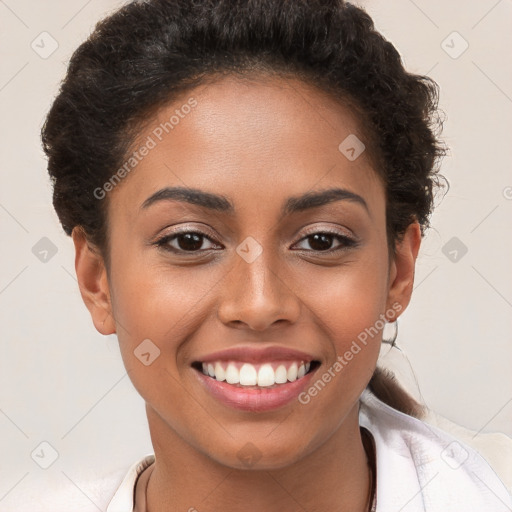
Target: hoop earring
{"type": "Point", "coordinates": [393, 339]}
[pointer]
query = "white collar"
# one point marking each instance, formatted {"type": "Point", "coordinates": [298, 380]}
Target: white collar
{"type": "Point", "coordinates": [421, 468]}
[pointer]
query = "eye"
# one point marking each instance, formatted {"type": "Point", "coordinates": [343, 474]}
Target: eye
{"type": "Point", "coordinates": [321, 241]}
{"type": "Point", "coordinates": [192, 242]}
{"type": "Point", "coordinates": [186, 241]}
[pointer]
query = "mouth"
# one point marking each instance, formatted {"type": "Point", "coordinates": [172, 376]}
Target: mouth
{"type": "Point", "coordinates": [255, 379]}
{"type": "Point", "coordinates": [264, 375]}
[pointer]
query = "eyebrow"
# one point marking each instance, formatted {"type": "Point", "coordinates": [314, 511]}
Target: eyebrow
{"type": "Point", "coordinates": [220, 203]}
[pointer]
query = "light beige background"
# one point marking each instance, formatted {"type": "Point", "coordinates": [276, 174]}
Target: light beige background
{"type": "Point", "coordinates": [64, 384]}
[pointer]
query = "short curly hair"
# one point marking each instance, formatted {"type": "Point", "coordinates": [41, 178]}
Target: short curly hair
{"type": "Point", "coordinates": [147, 52]}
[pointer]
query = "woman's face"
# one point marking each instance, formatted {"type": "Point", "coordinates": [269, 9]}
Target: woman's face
{"type": "Point", "coordinates": [251, 275]}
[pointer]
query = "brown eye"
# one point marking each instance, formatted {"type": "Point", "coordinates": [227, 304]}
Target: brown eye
{"type": "Point", "coordinates": [322, 241]}
{"type": "Point", "coordinates": [186, 241]}
{"type": "Point", "coordinates": [189, 241]}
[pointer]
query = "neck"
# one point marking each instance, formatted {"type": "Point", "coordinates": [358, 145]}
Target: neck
{"type": "Point", "coordinates": [333, 476]}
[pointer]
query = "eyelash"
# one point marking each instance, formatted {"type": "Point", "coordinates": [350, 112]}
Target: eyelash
{"type": "Point", "coordinates": [347, 242]}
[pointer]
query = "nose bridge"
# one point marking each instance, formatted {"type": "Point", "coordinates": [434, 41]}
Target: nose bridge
{"type": "Point", "coordinates": [255, 293]}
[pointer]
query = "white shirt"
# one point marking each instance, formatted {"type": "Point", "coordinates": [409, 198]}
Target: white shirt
{"type": "Point", "coordinates": [420, 468]}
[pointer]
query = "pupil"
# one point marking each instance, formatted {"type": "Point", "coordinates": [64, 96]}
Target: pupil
{"type": "Point", "coordinates": [192, 241]}
{"type": "Point", "coordinates": [321, 242]}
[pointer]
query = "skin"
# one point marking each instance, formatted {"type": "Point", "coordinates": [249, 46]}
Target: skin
{"type": "Point", "coordinates": [257, 141]}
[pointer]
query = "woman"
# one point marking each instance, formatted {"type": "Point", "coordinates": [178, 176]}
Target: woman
{"type": "Point", "coordinates": [247, 185]}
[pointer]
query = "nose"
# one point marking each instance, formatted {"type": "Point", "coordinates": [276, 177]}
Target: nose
{"type": "Point", "coordinates": [258, 294]}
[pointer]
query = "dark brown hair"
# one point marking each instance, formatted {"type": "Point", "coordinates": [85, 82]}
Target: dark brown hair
{"type": "Point", "coordinates": [148, 52]}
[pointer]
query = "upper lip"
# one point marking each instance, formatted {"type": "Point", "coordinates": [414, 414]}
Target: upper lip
{"type": "Point", "coordinates": [257, 355]}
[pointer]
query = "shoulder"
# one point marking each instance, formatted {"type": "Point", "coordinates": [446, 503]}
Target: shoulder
{"type": "Point", "coordinates": [423, 468]}
{"type": "Point", "coordinates": [83, 491]}
{"type": "Point", "coordinates": [122, 496]}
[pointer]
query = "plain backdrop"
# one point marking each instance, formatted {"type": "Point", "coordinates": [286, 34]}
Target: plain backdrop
{"type": "Point", "coordinates": [63, 384]}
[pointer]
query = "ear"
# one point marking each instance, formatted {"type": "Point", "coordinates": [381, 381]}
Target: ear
{"type": "Point", "coordinates": [93, 283]}
{"type": "Point", "coordinates": [401, 272]}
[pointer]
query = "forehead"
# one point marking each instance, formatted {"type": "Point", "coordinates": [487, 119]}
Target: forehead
{"type": "Point", "coordinates": [253, 140]}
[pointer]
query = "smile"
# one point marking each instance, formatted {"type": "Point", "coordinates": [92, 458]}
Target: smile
{"type": "Point", "coordinates": [255, 387]}
{"type": "Point", "coordinates": [259, 375]}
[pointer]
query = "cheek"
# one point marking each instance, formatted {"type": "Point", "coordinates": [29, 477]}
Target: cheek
{"type": "Point", "coordinates": [156, 299]}
{"type": "Point", "coordinates": [349, 299]}
{"type": "Point", "coordinates": [156, 308]}
{"type": "Point", "coordinates": [348, 305]}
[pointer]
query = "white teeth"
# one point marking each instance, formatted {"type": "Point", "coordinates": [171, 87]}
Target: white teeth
{"type": "Point", "coordinates": [232, 374]}
{"type": "Point", "coordinates": [220, 374]}
{"type": "Point", "coordinates": [281, 375]}
{"type": "Point", "coordinates": [292, 372]}
{"type": "Point", "coordinates": [248, 375]}
{"type": "Point", "coordinates": [264, 375]}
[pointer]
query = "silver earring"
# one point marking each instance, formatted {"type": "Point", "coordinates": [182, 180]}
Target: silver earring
{"type": "Point", "coordinates": [392, 340]}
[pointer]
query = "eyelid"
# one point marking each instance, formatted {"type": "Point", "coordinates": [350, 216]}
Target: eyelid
{"type": "Point", "coordinates": [331, 231]}
{"type": "Point", "coordinates": [346, 241]}
{"type": "Point", "coordinates": [311, 231]}
{"type": "Point", "coordinates": [203, 230]}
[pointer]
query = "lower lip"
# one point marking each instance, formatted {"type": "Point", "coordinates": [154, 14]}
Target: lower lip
{"type": "Point", "coordinates": [255, 400]}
